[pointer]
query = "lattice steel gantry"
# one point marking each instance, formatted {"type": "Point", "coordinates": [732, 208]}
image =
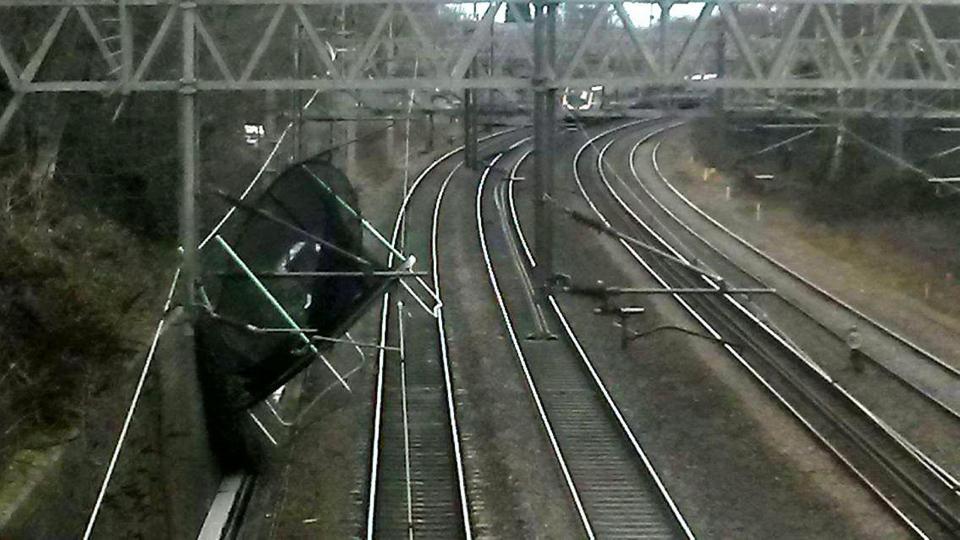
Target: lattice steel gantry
{"type": "Point", "coordinates": [801, 47]}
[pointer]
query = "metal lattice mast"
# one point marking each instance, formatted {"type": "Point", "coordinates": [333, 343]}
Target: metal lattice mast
{"type": "Point", "coordinates": [544, 127]}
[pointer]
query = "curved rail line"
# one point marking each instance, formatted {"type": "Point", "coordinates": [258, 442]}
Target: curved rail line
{"type": "Point", "coordinates": [929, 356]}
{"type": "Point", "coordinates": [513, 209]}
{"type": "Point", "coordinates": [933, 360]}
{"type": "Point", "coordinates": [931, 464]}
{"type": "Point", "coordinates": [531, 385]}
{"type": "Point", "coordinates": [596, 468]}
{"type": "Point", "coordinates": [799, 353]}
{"type": "Point", "coordinates": [928, 463]}
{"type": "Point", "coordinates": [863, 443]}
{"type": "Point", "coordinates": [376, 438]}
{"type": "Point", "coordinates": [734, 352]}
{"type": "Point", "coordinates": [950, 479]}
{"type": "Point", "coordinates": [445, 360]}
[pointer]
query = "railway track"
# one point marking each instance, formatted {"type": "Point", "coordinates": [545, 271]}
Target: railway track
{"type": "Point", "coordinates": [919, 492]}
{"type": "Point", "coordinates": [613, 485]}
{"type": "Point", "coordinates": [926, 385]}
{"type": "Point", "coordinates": [417, 485]}
{"type": "Point", "coordinates": [932, 406]}
{"type": "Point", "coordinates": [728, 267]}
{"type": "Point", "coordinates": [941, 367]}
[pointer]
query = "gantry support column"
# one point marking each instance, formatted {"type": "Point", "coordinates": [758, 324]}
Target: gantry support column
{"type": "Point", "coordinates": [188, 162]}
{"type": "Point", "coordinates": [298, 95]}
{"type": "Point", "coordinates": [470, 152]}
{"type": "Point", "coordinates": [270, 130]}
{"type": "Point", "coordinates": [663, 49]}
{"type": "Point", "coordinates": [544, 127]}
{"type": "Point", "coordinates": [186, 465]}
{"type": "Point", "coordinates": [350, 150]}
{"type": "Point", "coordinates": [898, 128]}
{"type": "Point", "coordinates": [664, 31]}
{"type": "Point", "coordinates": [721, 67]}
{"type": "Point", "coordinates": [898, 122]}
{"type": "Point", "coordinates": [431, 131]}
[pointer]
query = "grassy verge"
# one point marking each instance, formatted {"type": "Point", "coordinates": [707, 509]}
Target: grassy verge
{"type": "Point", "coordinates": [78, 297]}
{"type": "Point", "coordinates": [857, 182]}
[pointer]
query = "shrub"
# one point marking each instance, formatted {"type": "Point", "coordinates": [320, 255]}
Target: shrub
{"type": "Point", "coordinates": [72, 292]}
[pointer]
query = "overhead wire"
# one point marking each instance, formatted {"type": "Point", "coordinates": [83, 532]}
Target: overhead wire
{"type": "Point", "coordinates": [148, 361]}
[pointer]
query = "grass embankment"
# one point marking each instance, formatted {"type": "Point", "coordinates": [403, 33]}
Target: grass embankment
{"type": "Point", "coordinates": [858, 180]}
{"type": "Point", "coordinates": [79, 295]}
{"type": "Point", "coordinates": [862, 207]}
{"type": "Point", "coordinates": [86, 255]}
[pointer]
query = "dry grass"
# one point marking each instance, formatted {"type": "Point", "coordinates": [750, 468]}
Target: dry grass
{"type": "Point", "coordinates": [77, 293]}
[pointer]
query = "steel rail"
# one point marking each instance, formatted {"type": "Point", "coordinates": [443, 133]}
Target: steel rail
{"type": "Point", "coordinates": [925, 461]}
{"type": "Point", "coordinates": [521, 358]}
{"type": "Point", "coordinates": [310, 275]}
{"type": "Point", "coordinates": [377, 418]}
{"type": "Point", "coordinates": [595, 377]}
{"type": "Point", "coordinates": [384, 316]}
{"type": "Point", "coordinates": [503, 196]}
{"type": "Point", "coordinates": [735, 353]}
{"type": "Point", "coordinates": [905, 481]}
{"type": "Point", "coordinates": [406, 420]}
{"type": "Point", "coordinates": [530, 294]}
{"type": "Point", "coordinates": [621, 421]}
{"type": "Point", "coordinates": [918, 492]}
{"type": "Point", "coordinates": [831, 299]}
{"type": "Point", "coordinates": [606, 403]}
{"type": "Point", "coordinates": [445, 360]}
{"type": "Point", "coordinates": [513, 209]}
{"type": "Point", "coordinates": [953, 371]}
{"type": "Point", "coordinates": [952, 481]}
{"type": "Point", "coordinates": [384, 319]}
{"type": "Point", "coordinates": [809, 316]}
{"type": "Point", "coordinates": [598, 381]}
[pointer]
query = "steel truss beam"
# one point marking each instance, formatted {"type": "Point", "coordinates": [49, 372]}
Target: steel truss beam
{"type": "Point", "coordinates": [153, 3]}
{"type": "Point", "coordinates": [809, 35]}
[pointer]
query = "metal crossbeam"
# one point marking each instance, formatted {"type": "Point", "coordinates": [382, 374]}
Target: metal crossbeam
{"type": "Point", "coordinates": [604, 292]}
{"type": "Point", "coordinates": [8, 111]}
{"type": "Point", "coordinates": [905, 37]}
{"type": "Point", "coordinates": [636, 40]}
{"type": "Point", "coordinates": [787, 46]}
{"type": "Point", "coordinates": [599, 14]}
{"type": "Point", "coordinates": [153, 3]}
{"type": "Point", "coordinates": [838, 47]}
{"type": "Point", "coordinates": [480, 36]}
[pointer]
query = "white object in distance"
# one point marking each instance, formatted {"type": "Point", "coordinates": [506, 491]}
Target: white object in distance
{"type": "Point", "coordinates": [252, 133]}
